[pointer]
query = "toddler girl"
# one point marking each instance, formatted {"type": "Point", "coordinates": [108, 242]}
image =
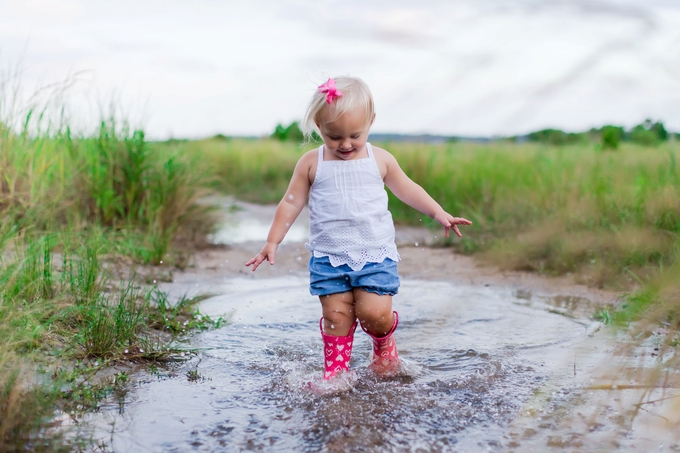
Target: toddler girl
{"type": "Point", "coordinates": [353, 267]}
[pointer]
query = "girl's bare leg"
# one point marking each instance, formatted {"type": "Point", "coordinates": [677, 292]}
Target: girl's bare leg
{"type": "Point", "coordinates": [338, 313]}
{"type": "Point", "coordinates": [374, 311]}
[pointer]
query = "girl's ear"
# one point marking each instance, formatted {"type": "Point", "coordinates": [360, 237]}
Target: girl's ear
{"type": "Point", "coordinates": [372, 119]}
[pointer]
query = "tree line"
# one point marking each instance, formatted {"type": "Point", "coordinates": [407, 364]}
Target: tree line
{"type": "Point", "coordinates": [647, 133]}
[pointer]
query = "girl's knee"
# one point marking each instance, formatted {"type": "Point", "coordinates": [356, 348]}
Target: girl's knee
{"type": "Point", "coordinates": [338, 313]}
{"type": "Point", "coordinates": [377, 321]}
{"type": "Point", "coordinates": [338, 324]}
{"type": "Point", "coordinates": [338, 317]}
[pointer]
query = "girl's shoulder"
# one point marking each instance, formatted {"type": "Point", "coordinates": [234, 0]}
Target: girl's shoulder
{"type": "Point", "coordinates": [308, 162]}
{"type": "Point", "coordinates": [309, 158]}
{"type": "Point", "coordinates": [380, 153]}
{"type": "Point", "coordinates": [384, 159]}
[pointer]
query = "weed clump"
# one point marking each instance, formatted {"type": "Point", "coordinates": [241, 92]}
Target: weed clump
{"type": "Point", "coordinates": [76, 212]}
{"type": "Point", "coordinates": [57, 311]}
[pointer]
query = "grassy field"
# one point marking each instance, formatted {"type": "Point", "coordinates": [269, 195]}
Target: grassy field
{"type": "Point", "coordinates": [610, 218]}
{"type": "Point", "coordinates": [80, 213]}
{"type": "Point", "coordinates": [77, 216]}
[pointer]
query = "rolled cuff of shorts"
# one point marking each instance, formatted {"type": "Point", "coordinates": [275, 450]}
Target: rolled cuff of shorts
{"type": "Point", "coordinates": [325, 291]}
{"type": "Point", "coordinates": [380, 291]}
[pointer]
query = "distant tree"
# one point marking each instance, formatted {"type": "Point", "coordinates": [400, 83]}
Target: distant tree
{"type": "Point", "coordinates": [279, 132]}
{"type": "Point", "coordinates": [556, 137]}
{"type": "Point", "coordinates": [649, 133]}
{"type": "Point", "coordinates": [611, 136]}
{"type": "Point", "coordinates": [660, 131]}
{"type": "Point", "coordinates": [290, 133]}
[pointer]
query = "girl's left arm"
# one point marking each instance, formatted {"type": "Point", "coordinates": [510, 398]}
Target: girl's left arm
{"type": "Point", "coordinates": [415, 196]}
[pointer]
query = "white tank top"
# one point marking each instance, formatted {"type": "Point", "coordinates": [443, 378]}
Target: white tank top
{"type": "Point", "coordinates": [349, 220]}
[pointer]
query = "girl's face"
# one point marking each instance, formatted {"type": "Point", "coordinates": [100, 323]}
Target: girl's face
{"type": "Point", "coordinates": [345, 138]}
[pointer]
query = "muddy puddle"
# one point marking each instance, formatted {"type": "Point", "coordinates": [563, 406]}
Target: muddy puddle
{"type": "Point", "coordinates": [487, 367]}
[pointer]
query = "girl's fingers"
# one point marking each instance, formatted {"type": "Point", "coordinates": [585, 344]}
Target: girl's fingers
{"type": "Point", "coordinates": [256, 261]}
{"type": "Point", "coordinates": [457, 231]}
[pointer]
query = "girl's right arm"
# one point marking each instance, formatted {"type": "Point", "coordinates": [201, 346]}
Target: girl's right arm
{"type": "Point", "coordinates": [288, 210]}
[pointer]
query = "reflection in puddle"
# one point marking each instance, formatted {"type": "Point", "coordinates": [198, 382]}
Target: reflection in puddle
{"type": "Point", "coordinates": [246, 222]}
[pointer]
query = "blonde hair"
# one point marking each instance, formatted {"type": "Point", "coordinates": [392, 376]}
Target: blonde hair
{"type": "Point", "coordinates": [355, 94]}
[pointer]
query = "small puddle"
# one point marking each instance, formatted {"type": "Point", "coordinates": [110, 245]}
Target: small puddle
{"type": "Point", "coordinates": [487, 368]}
{"type": "Point", "coordinates": [246, 222]}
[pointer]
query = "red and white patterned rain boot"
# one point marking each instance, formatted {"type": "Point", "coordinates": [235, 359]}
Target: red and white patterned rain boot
{"type": "Point", "coordinates": [336, 351]}
{"type": "Point", "coordinates": [385, 360]}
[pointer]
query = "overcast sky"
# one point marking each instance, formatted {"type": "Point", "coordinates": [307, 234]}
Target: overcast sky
{"type": "Point", "coordinates": [464, 67]}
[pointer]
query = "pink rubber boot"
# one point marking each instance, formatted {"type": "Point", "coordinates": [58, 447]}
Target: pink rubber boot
{"type": "Point", "coordinates": [385, 360]}
{"type": "Point", "coordinates": [336, 351]}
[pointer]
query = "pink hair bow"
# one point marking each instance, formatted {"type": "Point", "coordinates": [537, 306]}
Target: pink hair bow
{"type": "Point", "coordinates": [330, 90]}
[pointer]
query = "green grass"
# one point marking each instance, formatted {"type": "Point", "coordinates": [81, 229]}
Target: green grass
{"type": "Point", "coordinates": [611, 218]}
{"type": "Point", "coordinates": [77, 215]}
{"type": "Point", "coordinates": [557, 210]}
{"type": "Point", "coordinates": [252, 170]}
{"type": "Point", "coordinates": [55, 312]}
{"type": "Point", "coordinates": [605, 215]}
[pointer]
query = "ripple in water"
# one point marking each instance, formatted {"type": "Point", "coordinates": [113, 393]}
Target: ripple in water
{"type": "Point", "coordinates": [466, 373]}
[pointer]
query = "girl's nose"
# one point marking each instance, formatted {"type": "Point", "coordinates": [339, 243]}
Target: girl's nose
{"type": "Point", "coordinates": [346, 144]}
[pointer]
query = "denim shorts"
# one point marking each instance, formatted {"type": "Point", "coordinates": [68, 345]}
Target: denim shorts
{"type": "Point", "coordinates": [380, 278]}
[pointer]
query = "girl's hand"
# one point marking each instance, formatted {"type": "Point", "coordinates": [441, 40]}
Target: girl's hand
{"type": "Point", "coordinates": [451, 223]}
{"type": "Point", "coordinates": [268, 253]}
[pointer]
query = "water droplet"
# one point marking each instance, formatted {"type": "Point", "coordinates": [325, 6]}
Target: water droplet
{"type": "Point", "coordinates": [161, 261]}
{"type": "Point", "coordinates": [291, 197]}
{"type": "Point", "coordinates": [287, 224]}
{"type": "Point", "coordinates": [299, 258]}
{"type": "Point", "coordinates": [332, 326]}
{"type": "Point", "coordinates": [141, 350]}
{"type": "Point", "coordinates": [416, 244]}
{"type": "Point", "coordinates": [154, 281]}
